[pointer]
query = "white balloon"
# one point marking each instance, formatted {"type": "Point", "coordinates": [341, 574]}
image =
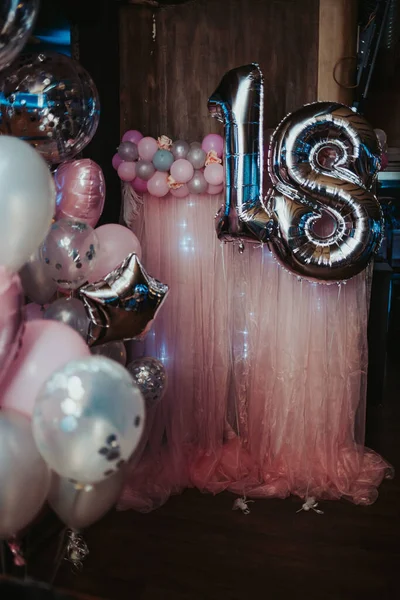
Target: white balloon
{"type": "Point", "coordinates": [27, 201]}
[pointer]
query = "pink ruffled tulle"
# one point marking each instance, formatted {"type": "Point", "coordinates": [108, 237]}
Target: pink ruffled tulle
{"type": "Point", "coordinates": [267, 374]}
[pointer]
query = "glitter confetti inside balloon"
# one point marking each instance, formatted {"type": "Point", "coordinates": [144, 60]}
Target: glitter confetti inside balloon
{"type": "Point", "coordinates": [50, 101]}
{"type": "Point", "coordinates": [88, 419]}
{"type": "Point", "coordinates": [151, 377]}
{"type": "Point", "coordinates": [17, 18]}
{"type": "Point", "coordinates": [69, 251]}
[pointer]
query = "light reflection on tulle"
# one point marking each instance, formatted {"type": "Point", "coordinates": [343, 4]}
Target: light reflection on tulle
{"type": "Point", "coordinates": [266, 373]}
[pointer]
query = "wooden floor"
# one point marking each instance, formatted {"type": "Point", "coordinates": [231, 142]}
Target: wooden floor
{"type": "Point", "coordinates": [197, 548]}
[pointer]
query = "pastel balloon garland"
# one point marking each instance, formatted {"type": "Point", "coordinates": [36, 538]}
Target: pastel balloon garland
{"type": "Point", "coordinates": [162, 166]}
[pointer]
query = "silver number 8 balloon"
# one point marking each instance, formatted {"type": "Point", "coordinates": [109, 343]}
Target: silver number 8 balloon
{"type": "Point", "coordinates": [321, 219]}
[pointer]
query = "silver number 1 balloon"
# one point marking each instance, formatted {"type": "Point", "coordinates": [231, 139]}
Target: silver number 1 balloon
{"type": "Point", "coordinates": [321, 220]}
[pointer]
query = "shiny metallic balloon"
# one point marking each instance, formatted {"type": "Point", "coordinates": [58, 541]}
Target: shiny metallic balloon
{"type": "Point", "coordinates": [323, 161]}
{"type": "Point", "coordinates": [11, 319]}
{"type": "Point", "coordinates": [69, 252]}
{"type": "Point", "coordinates": [197, 157]}
{"type": "Point", "coordinates": [88, 419]}
{"type": "Point", "coordinates": [114, 350]}
{"type": "Point", "coordinates": [79, 508]}
{"type": "Point", "coordinates": [322, 221]}
{"type": "Point", "coordinates": [238, 103]}
{"type": "Point", "coordinates": [123, 305]}
{"type": "Point", "coordinates": [128, 151]}
{"type": "Point", "coordinates": [198, 183]}
{"type": "Point", "coordinates": [145, 169]}
{"type": "Point", "coordinates": [71, 312]}
{"type": "Point", "coordinates": [50, 101]}
{"type": "Point", "coordinates": [36, 280]}
{"type": "Point", "coordinates": [24, 476]}
{"type": "Point", "coordinates": [17, 18]}
{"type": "Point", "coordinates": [151, 377]}
{"type": "Point", "coordinates": [81, 191]}
{"type": "Point", "coordinates": [180, 149]}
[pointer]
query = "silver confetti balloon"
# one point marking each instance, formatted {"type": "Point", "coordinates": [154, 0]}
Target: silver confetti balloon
{"type": "Point", "coordinates": [88, 419]}
{"type": "Point", "coordinates": [17, 18]}
{"type": "Point", "coordinates": [36, 281]}
{"type": "Point", "coordinates": [151, 377]}
{"type": "Point", "coordinates": [50, 101]}
{"type": "Point", "coordinates": [71, 312]}
{"type": "Point", "coordinates": [69, 252]}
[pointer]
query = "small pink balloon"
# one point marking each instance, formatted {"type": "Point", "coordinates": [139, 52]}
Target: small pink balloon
{"type": "Point", "coordinates": [384, 161]}
{"type": "Point", "coordinates": [116, 161]}
{"type": "Point", "coordinates": [11, 319]}
{"type": "Point", "coordinates": [180, 192]}
{"type": "Point", "coordinates": [133, 135]}
{"type": "Point", "coordinates": [116, 243]}
{"type": "Point", "coordinates": [214, 174]}
{"type": "Point", "coordinates": [46, 346]}
{"type": "Point", "coordinates": [127, 171]}
{"type": "Point", "coordinates": [158, 184]}
{"type": "Point", "coordinates": [34, 311]}
{"type": "Point", "coordinates": [81, 191]}
{"type": "Point", "coordinates": [147, 148]}
{"type": "Point", "coordinates": [215, 142]}
{"type": "Point", "coordinates": [139, 185]}
{"type": "Point", "coordinates": [182, 170]}
{"type": "Point", "coordinates": [215, 189]}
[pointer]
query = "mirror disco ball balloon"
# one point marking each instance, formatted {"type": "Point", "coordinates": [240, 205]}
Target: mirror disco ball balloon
{"type": "Point", "coordinates": [17, 18]}
{"type": "Point", "coordinates": [50, 101]}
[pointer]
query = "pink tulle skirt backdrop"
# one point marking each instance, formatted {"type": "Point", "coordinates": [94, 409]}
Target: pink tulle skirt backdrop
{"type": "Point", "coordinates": [267, 373]}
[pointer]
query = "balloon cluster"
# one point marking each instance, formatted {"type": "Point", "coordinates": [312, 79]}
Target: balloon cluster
{"type": "Point", "coordinates": [161, 166]}
{"type": "Point", "coordinates": [70, 419]}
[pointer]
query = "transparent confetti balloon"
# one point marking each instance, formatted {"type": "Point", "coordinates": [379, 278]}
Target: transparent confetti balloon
{"type": "Point", "coordinates": [69, 252]}
{"type": "Point", "coordinates": [151, 377]}
{"type": "Point", "coordinates": [88, 419]}
{"type": "Point", "coordinates": [50, 101]}
{"type": "Point", "coordinates": [17, 18]}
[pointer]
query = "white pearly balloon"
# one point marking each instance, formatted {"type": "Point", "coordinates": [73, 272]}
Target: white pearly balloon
{"type": "Point", "coordinates": [27, 202]}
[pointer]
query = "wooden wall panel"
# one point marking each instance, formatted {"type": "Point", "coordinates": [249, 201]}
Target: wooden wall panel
{"type": "Point", "coordinates": [172, 59]}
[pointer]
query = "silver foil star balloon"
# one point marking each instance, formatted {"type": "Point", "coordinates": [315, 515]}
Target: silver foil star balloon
{"type": "Point", "coordinates": [123, 305]}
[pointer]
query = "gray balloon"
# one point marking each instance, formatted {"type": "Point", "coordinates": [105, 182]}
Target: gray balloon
{"type": "Point", "coordinates": [114, 350]}
{"type": "Point", "coordinates": [197, 157]}
{"type": "Point", "coordinates": [198, 183]}
{"type": "Point", "coordinates": [195, 145]}
{"type": "Point", "coordinates": [24, 476]}
{"type": "Point", "coordinates": [70, 311]}
{"type": "Point", "coordinates": [128, 151]}
{"type": "Point", "coordinates": [79, 509]}
{"type": "Point", "coordinates": [145, 169]}
{"type": "Point", "coordinates": [180, 149]}
{"type": "Point", "coordinates": [36, 281]}
{"type": "Point", "coordinates": [151, 377]}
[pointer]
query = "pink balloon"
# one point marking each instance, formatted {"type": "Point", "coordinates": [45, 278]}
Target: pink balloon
{"type": "Point", "coordinates": [46, 346]}
{"type": "Point", "coordinates": [181, 192]}
{"type": "Point", "coordinates": [215, 189]}
{"type": "Point", "coordinates": [139, 185]}
{"type": "Point", "coordinates": [384, 161]}
{"type": "Point", "coordinates": [214, 174]}
{"type": "Point", "coordinates": [116, 161]}
{"type": "Point", "coordinates": [147, 148]}
{"type": "Point", "coordinates": [133, 135]}
{"type": "Point", "coordinates": [81, 191]}
{"type": "Point", "coordinates": [34, 311]}
{"type": "Point", "coordinates": [158, 184]}
{"type": "Point", "coordinates": [215, 142]}
{"type": "Point", "coordinates": [182, 170]}
{"type": "Point", "coordinates": [11, 319]}
{"type": "Point", "coordinates": [127, 171]}
{"type": "Point", "coordinates": [116, 243]}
